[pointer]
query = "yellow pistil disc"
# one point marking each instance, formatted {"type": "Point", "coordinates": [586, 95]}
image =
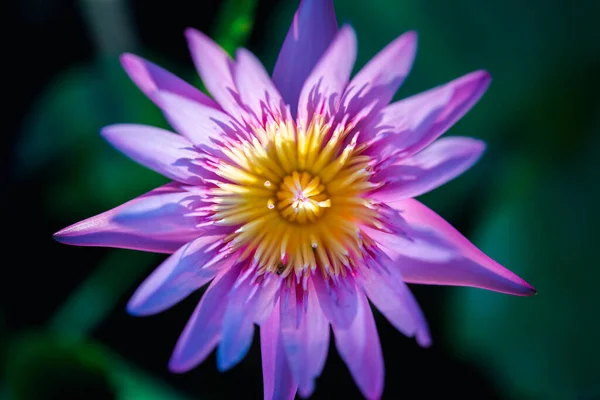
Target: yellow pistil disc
{"type": "Point", "coordinates": [296, 196]}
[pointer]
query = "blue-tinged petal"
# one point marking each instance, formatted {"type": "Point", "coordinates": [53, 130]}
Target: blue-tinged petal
{"type": "Point", "coordinates": [312, 30]}
{"type": "Point", "coordinates": [188, 269]}
{"type": "Point", "coordinates": [203, 331]}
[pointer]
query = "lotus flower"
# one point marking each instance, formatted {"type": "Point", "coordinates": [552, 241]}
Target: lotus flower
{"type": "Point", "coordinates": [293, 196]}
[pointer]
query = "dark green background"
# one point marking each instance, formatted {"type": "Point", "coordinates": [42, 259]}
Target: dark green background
{"type": "Point", "coordinates": [531, 202]}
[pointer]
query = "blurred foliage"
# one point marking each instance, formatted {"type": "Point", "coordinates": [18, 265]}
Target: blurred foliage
{"type": "Point", "coordinates": [234, 24]}
{"type": "Point", "coordinates": [44, 367]}
{"type": "Point", "coordinates": [547, 346]}
{"type": "Point", "coordinates": [95, 298]}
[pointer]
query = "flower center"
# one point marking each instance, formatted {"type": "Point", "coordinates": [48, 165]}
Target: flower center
{"type": "Point", "coordinates": [294, 197]}
{"type": "Point", "coordinates": [302, 198]}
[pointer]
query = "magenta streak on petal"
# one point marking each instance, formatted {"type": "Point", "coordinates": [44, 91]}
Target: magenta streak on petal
{"type": "Point", "coordinates": [150, 78]}
{"type": "Point", "coordinates": [195, 121]}
{"type": "Point", "coordinates": [437, 164]}
{"type": "Point", "coordinates": [377, 82]}
{"type": "Point", "coordinates": [305, 333]}
{"type": "Point", "coordinates": [474, 268]}
{"type": "Point", "coordinates": [154, 222]}
{"type": "Point", "coordinates": [323, 89]}
{"type": "Point", "coordinates": [188, 269]}
{"type": "Point", "coordinates": [360, 349]}
{"type": "Point", "coordinates": [246, 304]}
{"type": "Point", "coordinates": [215, 68]}
{"type": "Point", "coordinates": [388, 292]}
{"type": "Point", "coordinates": [277, 376]}
{"type": "Point", "coordinates": [446, 104]}
{"type": "Point", "coordinates": [337, 300]}
{"type": "Point", "coordinates": [256, 89]}
{"type": "Point", "coordinates": [312, 30]}
{"type": "Point", "coordinates": [203, 330]}
{"type": "Point", "coordinates": [160, 150]}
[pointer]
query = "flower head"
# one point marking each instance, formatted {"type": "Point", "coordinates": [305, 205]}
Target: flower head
{"type": "Point", "coordinates": [293, 196]}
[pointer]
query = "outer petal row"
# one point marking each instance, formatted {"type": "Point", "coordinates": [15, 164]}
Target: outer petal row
{"type": "Point", "coordinates": [155, 222]}
{"type": "Point", "coordinates": [471, 268]}
{"type": "Point", "coordinates": [312, 30]}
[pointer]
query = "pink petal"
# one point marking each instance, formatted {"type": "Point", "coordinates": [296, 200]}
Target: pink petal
{"type": "Point", "coordinates": [310, 34]}
{"type": "Point", "coordinates": [215, 68]}
{"type": "Point", "coordinates": [203, 330]}
{"type": "Point", "coordinates": [277, 376]}
{"type": "Point", "coordinates": [323, 89]}
{"type": "Point", "coordinates": [195, 121]}
{"type": "Point", "coordinates": [150, 78]}
{"type": "Point", "coordinates": [388, 292]}
{"type": "Point", "coordinates": [413, 123]}
{"type": "Point", "coordinates": [305, 333]}
{"type": "Point", "coordinates": [380, 78]}
{"type": "Point", "coordinates": [439, 163]}
{"type": "Point", "coordinates": [155, 222]}
{"type": "Point", "coordinates": [415, 241]}
{"type": "Point", "coordinates": [160, 150]}
{"type": "Point", "coordinates": [474, 268]}
{"type": "Point", "coordinates": [337, 299]}
{"type": "Point", "coordinates": [188, 269]}
{"type": "Point", "coordinates": [360, 349]}
{"type": "Point", "coordinates": [256, 89]}
{"type": "Point", "coordinates": [247, 302]}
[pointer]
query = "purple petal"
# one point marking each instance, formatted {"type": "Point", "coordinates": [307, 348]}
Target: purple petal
{"type": "Point", "coordinates": [413, 123]}
{"type": "Point", "coordinates": [150, 78]}
{"type": "Point", "coordinates": [247, 303]}
{"type": "Point", "coordinates": [188, 269]}
{"type": "Point", "coordinates": [203, 330]}
{"type": "Point", "coordinates": [388, 292]}
{"type": "Point", "coordinates": [337, 299]}
{"type": "Point", "coordinates": [310, 34]}
{"type": "Point", "coordinates": [256, 89]}
{"type": "Point", "coordinates": [305, 333]}
{"type": "Point", "coordinates": [439, 163]}
{"type": "Point", "coordinates": [474, 268]}
{"type": "Point", "coordinates": [215, 68]}
{"type": "Point", "coordinates": [160, 150]}
{"type": "Point", "coordinates": [277, 377]}
{"type": "Point", "coordinates": [414, 241]}
{"type": "Point", "coordinates": [155, 222]}
{"type": "Point", "coordinates": [323, 89]}
{"type": "Point", "coordinates": [197, 122]}
{"type": "Point", "coordinates": [380, 78]}
{"type": "Point", "coordinates": [360, 349]}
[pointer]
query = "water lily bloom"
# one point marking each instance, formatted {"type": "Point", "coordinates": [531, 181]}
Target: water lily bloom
{"type": "Point", "coordinates": [293, 196]}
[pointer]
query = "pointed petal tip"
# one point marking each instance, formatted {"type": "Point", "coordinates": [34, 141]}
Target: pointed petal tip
{"type": "Point", "coordinates": [424, 340]}
{"type": "Point", "coordinates": [483, 76]}
{"type": "Point", "coordinates": [127, 59]}
{"type": "Point", "coordinates": [305, 391]}
{"type": "Point", "coordinates": [224, 363]}
{"type": "Point", "coordinates": [176, 366]}
{"type": "Point", "coordinates": [194, 34]}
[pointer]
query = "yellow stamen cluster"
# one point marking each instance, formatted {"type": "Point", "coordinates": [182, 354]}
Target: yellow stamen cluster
{"type": "Point", "coordinates": [297, 197]}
